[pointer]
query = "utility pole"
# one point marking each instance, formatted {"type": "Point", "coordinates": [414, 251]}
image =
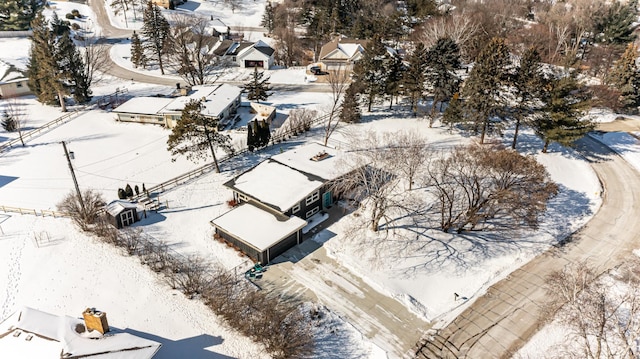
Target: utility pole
{"type": "Point", "coordinates": [75, 181]}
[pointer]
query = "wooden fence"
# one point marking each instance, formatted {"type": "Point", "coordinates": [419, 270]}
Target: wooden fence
{"type": "Point", "coordinates": [35, 212]}
{"type": "Point", "coordinates": [40, 130]}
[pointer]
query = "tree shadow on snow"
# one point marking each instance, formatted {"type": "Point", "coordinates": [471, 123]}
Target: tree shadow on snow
{"type": "Point", "coordinates": [192, 348]}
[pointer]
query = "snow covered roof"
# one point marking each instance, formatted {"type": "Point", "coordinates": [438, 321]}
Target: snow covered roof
{"type": "Point", "coordinates": [218, 25]}
{"type": "Point", "coordinates": [329, 168]}
{"type": "Point", "coordinates": [20, 79]}
{"type": "Point", "coordinates": [31, 333]}
{"type": "Point", "coordinates": [275, 184]}
{"type": "Point", "coordinates": [144, 105]}
{"type": "Point", "coordinates": [217, 98]}
{"type": "Point", "coordinates": [342, 48]}
{"type": "Point", "coordinates": [116, 207]}
{"type": "Point", "coordinates": [266, 229]}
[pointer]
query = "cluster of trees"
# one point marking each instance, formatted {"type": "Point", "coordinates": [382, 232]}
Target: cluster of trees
{"type": "Point", "coordinates": [471, 188]}
{"type": "Point", "coordinates": [57, 68]}
{"type": "Point", "coordinates": [601, 322]}
{"type": "Point", "coordinates": [186, 46]}
{"type": "Point", "coordinates": [274, 320]}
{"type": "Point", "coordinates": [258, 134]}
{"type": "Point", "coordinates": [128, 192]}
{"type": "Point", "coordinates": [16, 15]}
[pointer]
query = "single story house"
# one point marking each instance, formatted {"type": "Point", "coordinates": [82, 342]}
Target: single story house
{"type": "Point", "coordinates": [246, 54]}
{"type": "Point", "coordinates": [220, 102]}
{"type": "Point", "coordinates": [287, 190]}
{"type": "Point", "coordinates": [121, 213]}
{"type": "Point", "coordinates": [341, 53]}
{"type": "Point", "coordinates": [14, 88]}
{"type": "Point", "coordinates": [31, 333]}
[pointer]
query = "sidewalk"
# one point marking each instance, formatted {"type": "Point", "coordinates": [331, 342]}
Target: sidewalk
{"type": "Point", "coordinates": [306, 271]}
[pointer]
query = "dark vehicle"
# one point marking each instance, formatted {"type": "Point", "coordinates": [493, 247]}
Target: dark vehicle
{"type": "Point", "coordinates": [316, 70]}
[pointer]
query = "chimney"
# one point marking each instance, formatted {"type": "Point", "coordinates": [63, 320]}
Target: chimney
{"type": "Point", "coordinates": [95, 320]}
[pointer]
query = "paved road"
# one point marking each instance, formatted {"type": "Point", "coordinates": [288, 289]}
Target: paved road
{"type": "Point", "coordinates": [500, 322]}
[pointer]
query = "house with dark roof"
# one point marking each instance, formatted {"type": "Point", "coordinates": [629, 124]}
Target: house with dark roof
{"type": "Point", "coordinates": [280, 200]}
{"type": "Point", "coordinates": [246, 54]}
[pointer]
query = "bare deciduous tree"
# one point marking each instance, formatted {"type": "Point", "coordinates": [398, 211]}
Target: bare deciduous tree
{"type": "Point", "coordinates": [93, 206]}
{"type": "Point", "coordinates": [96, 60]}
{"type": "Point", "coordinates": [605, 322]}
{"type": "Point", "coordinates": [460, 27]}
{"type": "Point", "coordinates": [338, 82]}
{"type": "Point", "coordinates": [299, 121]}
{"type": "Point", "coordinates": [191, 53]}
{"type": "Point", "coordinates": [483, 187]}
{"type": "Point", "coordinates": [408, 152]}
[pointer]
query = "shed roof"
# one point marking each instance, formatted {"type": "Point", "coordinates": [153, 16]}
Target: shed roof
{"type": "Point", "coordinates": [56, 336]}
{"type": "Point", "coordinates": [257, 227]}
{"type": "Point", "coordinates": [116, 207]}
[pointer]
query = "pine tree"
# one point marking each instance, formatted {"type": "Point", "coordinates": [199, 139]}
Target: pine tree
{"type": "Point", "coordinates": [626, 78]}
{"type": "Point", "coordinates": [42, 69]}
{"type": "Point", "coordinates": [484, 91]}
{"type": "Point", "coordinates": [443, 59]}
{"type": "Point", "coordinates": [138, 57]}
{"type": "Point", "coordinates": [369, 71]}
{"type": "Point", "coordinates": [128, 191]}
{"type": "Point", "coordinates": [526, 82]}
{"type": "Point", "coordinates": [395, 72]}
{"type": "Point", "coordinates": [122, 194]}
{"type": "Point", "coordinates": [8, 122]}
{"type": "Point", "coordinates": [257, 88]}
{"type": "Point", "coordinates": [453, 114]}
{"type": "Point", "coordinates": [414, 78]}
{"type": "Point", "coordinates": [614, 23]}
{"type": "Point", "coordinates": [350, 110]}
{"type": "Point", "coordinates": [268, 18]}
{"type": "Point", "coordinates": [156, 30]}
{"type": "Point", "coordinates": [16, 15]}
{"type": "Point", "coordinates": [69, 66]}
{"type": "Point", "coordinates": [251, 138]}
{"type": "Point", "coordinates": [195, 134]}
{"type": "Point", "coordinates": [565, 103]}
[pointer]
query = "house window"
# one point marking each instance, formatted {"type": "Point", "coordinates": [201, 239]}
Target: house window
{"type": "Point", "coordinates": [312, 212]}
{"type": "Point", "coordinates": [19, 84]}
{"type": "Point", "coordinates": [313, 197]}
{"type": "Point", "coordinates": [295, 209]}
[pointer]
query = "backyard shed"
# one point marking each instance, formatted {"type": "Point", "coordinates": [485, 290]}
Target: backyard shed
{"type": "Point", "coordinates": [122, 213]}
{"type": "Point", "coordinates": [262, 235]}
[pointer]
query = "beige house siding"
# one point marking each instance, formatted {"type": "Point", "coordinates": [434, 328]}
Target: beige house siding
{"type": "Point", "coordinates": [14, 88]}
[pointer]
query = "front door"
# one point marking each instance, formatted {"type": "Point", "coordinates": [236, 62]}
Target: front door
{"type": "Point", "coordinates": [327, 199]}
{"type": "Point", "coordinates": [127, 218]}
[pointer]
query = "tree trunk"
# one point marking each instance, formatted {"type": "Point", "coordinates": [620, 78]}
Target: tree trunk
{"type": "Point", "coordinates": [63, 105]}
{"type": "Point", "coordinates": [485, 123]}
{"type": "Point", "coordinates": [160, 62]}
{"type": "Point", "coordinates": [546, 145]}
{"type": "Point", "coordinates": [213, 152]}
{"type": "Point", "coordinates": [515, 135]}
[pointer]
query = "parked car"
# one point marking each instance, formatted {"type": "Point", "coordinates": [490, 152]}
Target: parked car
{"type": "Point", "coordinates": [316, 70]}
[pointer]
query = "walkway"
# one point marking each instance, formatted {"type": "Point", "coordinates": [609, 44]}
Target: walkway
{"type": "Point", "coordinates": [497, 324]}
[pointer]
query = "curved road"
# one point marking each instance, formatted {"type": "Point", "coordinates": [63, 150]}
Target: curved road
{"type": "Point", "coordinates": [497, 324]}
{"type": "Point", "coordinates": [113, 35]}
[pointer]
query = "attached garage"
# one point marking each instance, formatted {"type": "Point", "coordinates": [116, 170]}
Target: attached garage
{"type": "Point", "coordinates": [259, 234]}
{"type": "Point", "coordinates": [253, 63]}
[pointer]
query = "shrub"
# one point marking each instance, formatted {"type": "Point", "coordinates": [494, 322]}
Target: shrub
{"type": "Point", "coordinates": [76, 13]}
{"type": "Point", "coordinates": [75, 26]}
{"type": "Point", "coordinates": [70, 16]}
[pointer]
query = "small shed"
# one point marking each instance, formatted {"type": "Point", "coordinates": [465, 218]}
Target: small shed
{"type": "Point", "coordinates": [259, 234]}
{"type": "Point", "coordinates": [14, 88]}
{"type": "Point", "coordinates": [122, 213]}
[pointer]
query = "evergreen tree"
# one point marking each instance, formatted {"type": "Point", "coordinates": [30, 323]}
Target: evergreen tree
{"type": "Point", "coordinates": [71, 70]}
{"type": "Point", "coordinates": [395, 72]}
{"type": "Point", "coordinates": [156, 30]}
{"type": "Point", "coordinates": [369, 71]}
{"type": "Point", "coordinates": [128, 191]}
{"type": "Point", "coordinates": [136, 189]}
{"type": "Point", "coordinates": [257, 88]}
{"type": "Point", "coordinates": [526, 83]}
{"type": "Point", "coordinates": [122, 194]}
{"type": "Point", "coordinates": [138, 58]}
{"type": "Point", "coordinates": [16, 15]}
{"type": "Point", "coordinates": [251, 138]}
{"type": "Point", "coordinates": [195, 134]}
{"type": "Point", "coordinates": [414, 77]}
{"type": "Point", "coordinates": [626, 78]}
{"type": "Point", "coordinates": [614, 23]}
{"type": "Point", "coordinates": [350, 110]}
{"type": "Point", "coordinates": [565, 103]}
{"type": "Point", "coordinates": [443, 59]}
{"type": "Point", "coordinates": [453, 114]}
{"type": "Point", "coordinates": [42, 69]}
{"type": "Point", "coordinates": [59, 26]}
{"type": "Point", "coordinates": [484, 91]}
{"type": "Point", "coordinates": [268, 18]}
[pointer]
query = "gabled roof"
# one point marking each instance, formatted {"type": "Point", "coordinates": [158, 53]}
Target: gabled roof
{"type": "Point", "coordinates": [31, 333]}
{"type": "Point", "coordinates": [264, 48]}
{"type": "Point", "coordinates": [342, 48]}
{"type": "Point", "coordinates": [116, 207]}
{"type": "Point", "coordinates": [144, 105]}
{"type": "Point", "coordinates": [231, 48]}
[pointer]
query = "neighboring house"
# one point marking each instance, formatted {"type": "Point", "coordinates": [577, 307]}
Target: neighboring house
{"type": "Point", "coordinates": [341, 53]}
{"type": "Point", "coordinates": [246, 54]}
{"type": "Point", "coordinates": [121, 213]}
{"type": "Point", "coordinates": [220, 102]}
{"type": "Point", "coordinates": [278, 197]}
{"type": "Point", "coordinates": [31, 333]}
{"type": "Point", "coordinates": [168, 4]}
{"type": "Point", "coordinates": [15, 87]}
